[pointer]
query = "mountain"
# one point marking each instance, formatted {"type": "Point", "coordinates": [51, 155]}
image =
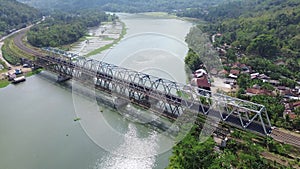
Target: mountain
{"type": "Point", "coordinates": [121, 5]}
{"type": "Point", "coordinates": [14, 15]}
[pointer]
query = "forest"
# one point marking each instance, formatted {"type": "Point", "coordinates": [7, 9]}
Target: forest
{"type": "Point", "coordinates": [122, 5]}
{"type": "Point", "coordinates": [65, 28]}
{"type": "Point", "coordinates": [265, 28]}
{"type": "Point", "coordinates": [14, 15]}
{"type": "Point", "coordinates": [260, 34]}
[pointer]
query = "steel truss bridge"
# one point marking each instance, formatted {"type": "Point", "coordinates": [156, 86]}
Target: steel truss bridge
{"type": "Point", "coordinates": [162, 96]}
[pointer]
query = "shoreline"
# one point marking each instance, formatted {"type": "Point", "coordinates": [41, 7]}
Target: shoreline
{"type": "Point", "coordinates": [106, 39]}
{"type": "Point", "coordinates": [115, 41]}
{"type": "Point", "coordinates": [28, 72]}
{"type": "Point", "coordinates": [99, 38]}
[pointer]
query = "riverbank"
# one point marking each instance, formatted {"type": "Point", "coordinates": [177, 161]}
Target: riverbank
{"type": "Point", "coordinates": [100, 38]}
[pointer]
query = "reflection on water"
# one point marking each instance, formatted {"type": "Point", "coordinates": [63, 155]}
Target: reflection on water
{"type": "Point", "coordinates": [37, 127]}
{"type": "Point", "coordinates": [139, 147]}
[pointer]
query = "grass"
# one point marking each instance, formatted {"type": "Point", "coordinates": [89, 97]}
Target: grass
{"type": "Point", "coordinates": [103, 48]}
{"type": "Point", "coordinates": [3, 64]}
{"type": "Point", "coordinates": [34, 72]}
{"type": "Point", "coordinates": [4, 83]}
{"type": "Point", "coordinates": [108, 38]}
{"type": "Point", "coordinates": [160, 14]}
{"type": "Point", "coordinates": [298, 60]}
{"type": "Point", "coordinates": [99, 50]}
{"type": "Point", "coordinates": [12, 53]}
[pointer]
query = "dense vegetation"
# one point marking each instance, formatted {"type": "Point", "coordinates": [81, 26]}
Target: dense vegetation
{"type": "Point", "coordinates": [122, 5]}
{"type": "Point", "coordinates": [65, 28]}
{"type": "Point", "coordinates": [264, 35]}
{"type": "Point", "coordinates": [259, 33]}
{"type": "Point", "coordinates": [14, 15]}
{"type": "Point", "coordinates": [243, 150]}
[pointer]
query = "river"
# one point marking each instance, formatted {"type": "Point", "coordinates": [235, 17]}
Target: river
{"type": "Point", "coordinates": [37, 126]}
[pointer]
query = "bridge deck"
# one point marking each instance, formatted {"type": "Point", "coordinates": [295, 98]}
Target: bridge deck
{"type": "Point", "coordinates": [168, 98]}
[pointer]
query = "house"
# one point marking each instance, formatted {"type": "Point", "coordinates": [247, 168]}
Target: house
{"type": "Point", "coordinates": [297, 90]}
{"type": "Point", "coordinates": [273, 82]}
{"type": "Point", "coordinates": [223, 72]}
{"type": "Point", "coordinates": [254, 91]}
{"type": "Point", "coordinates": [234, 72]}
{"type": "Point", "coordinates": [263, 77]}
{"type": "Point", "coordinates": [199, 73]}
{"type": "Point", "coordinates": [201, 82]}
{"type": "Point", "coordinates": [254, 75]}
{"type": "Point", "coordinates": [289, 113]}
{"type": "Point", "coordinates": [245, 69]}
{"type": "Point", "coordinates": [230, 81]}
{"type": "Point", "coordinates": [296, 105]}
{"type": "Point", "coordinates": [232, 76]}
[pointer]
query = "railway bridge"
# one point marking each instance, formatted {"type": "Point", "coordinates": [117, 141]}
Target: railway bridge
{"type": "Point", "coordinates": [168, 98]}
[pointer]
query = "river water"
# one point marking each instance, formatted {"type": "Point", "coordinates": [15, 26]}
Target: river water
{"type": "Point", "coordinates": [37, 126]}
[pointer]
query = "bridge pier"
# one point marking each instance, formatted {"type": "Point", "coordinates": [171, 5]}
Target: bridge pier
{"type": "Point", "coordinates": [62, 78]}
{"type": "Point", "coordinates": [160, 95]}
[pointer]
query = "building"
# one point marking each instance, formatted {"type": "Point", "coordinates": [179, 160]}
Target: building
{"type": "Point", "coordinates": [202, 82]}
{"type": "Point", "coordinates": [234, 72]}
{"type": "Point", "coordinates": [256, 91]}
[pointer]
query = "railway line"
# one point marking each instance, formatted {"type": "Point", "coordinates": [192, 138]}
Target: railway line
{"type": "Point", "coordinates": [18, 40]}
{"type": "Point", "coordinates": [276, 134]}
{"type": "Point", "coordinates": [285, 137]}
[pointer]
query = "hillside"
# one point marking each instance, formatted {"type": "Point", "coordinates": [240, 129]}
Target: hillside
{"type": "Point", "coordinates": [256, 32]}
{"type": "Point", "coordinates": [266, 28]}
{"type": "Point", "coordinates": [15, 15]}
{"type": "Point", "coordinates": [121, 5]}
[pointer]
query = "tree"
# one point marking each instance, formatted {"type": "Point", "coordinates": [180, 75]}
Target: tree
{"type": "Point", "coordinates": [273, 105]}
{"type": "Point", "coordinates": [230, 55]}
{"type": "Point", "coordinates": [292, 64]}
{"type": "Point", "coordinates": [243, 80]}
{"type": "Point", "coordinates": [224, 160]}
{"type": "Point", "coordinates": [296, 123]}
{"type": "Point", "coordinates": [192, 154]}
{"type": "Point", "coordinates": [264, 45]}
{"type": "Point", "coordinates": [192, 60]}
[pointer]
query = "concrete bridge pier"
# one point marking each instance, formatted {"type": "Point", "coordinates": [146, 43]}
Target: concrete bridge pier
{"type": "Point", "coordinates": [62, 78]}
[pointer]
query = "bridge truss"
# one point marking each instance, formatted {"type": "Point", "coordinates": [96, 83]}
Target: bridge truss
{"type": "Point", "coordinates": [162, 96]}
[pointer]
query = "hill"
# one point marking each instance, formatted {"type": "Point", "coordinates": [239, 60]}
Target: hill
{"type": "Point", "coordinates": [15, 15]}
{"type": "Point", "coordinates": [263, 32]}
{"type": "Point", "coordinates": [266, 28]}
{"type": "Point", "coordinates": [121, 5]}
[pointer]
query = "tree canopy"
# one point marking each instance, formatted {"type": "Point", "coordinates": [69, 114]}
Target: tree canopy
{"type": "Point", "coordinates": [14, 15]}
{"type": "Point", "coordinates": [122, 5]}
{"type": "Point", "coordinates": [65, 28]}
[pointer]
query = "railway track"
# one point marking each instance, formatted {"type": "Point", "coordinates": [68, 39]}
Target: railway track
{"type": "Point", "coordinates": [19, 43]}
{"type": "Point", "coordinates": [285, 137]}
{"type": "Point", "coordinates": [276, 134]}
